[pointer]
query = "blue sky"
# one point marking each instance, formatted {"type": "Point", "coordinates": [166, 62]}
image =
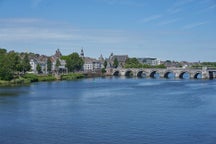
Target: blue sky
{"type": "Point", "coordinates": [166, 29]}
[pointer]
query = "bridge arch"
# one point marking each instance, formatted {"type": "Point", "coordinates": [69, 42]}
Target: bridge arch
{"type": "Point", "coordinates": [197, 75]}
{"type": "Point", "coordinates": [184, 75]}
{"type": "Point", "coordinates": [128, 73]}
{"type": "Point", "coordinates": [141, 74]}
{"type": "Point", "coordinates": [116, 73]}
{"type": "Point", "coordinates": [169, 74]}
{"type": "Point", "coordinates": [154, 74]}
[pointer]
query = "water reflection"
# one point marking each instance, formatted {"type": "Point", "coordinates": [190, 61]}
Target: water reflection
{"type": "Point", "coordinates": [185, 75]}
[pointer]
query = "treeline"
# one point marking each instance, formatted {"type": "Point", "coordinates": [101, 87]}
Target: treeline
{"type": "Point", "coordinates": [134, 63]}
{"type": "Point", "coordinates": [73, 62]}
{"type": "Point", "coordinates": [12, 64]}
{"type": "Point", "coordinates": [205, 64]}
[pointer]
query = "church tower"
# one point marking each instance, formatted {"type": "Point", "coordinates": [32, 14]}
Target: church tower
{"type": "Point", "coordinates": [82, 53]}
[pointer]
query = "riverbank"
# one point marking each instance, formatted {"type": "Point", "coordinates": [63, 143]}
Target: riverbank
{"type": "Point", "coordinates": [30, 78]}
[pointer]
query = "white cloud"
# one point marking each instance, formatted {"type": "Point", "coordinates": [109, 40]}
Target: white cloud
{"type": "Point", "coordinates": [42, 30]}
{"type": "Point", "coordinates": [193, 25]}
{"type": "Point", "coordinates": [151, 18]}
{"type": "Point", "coordinates": [168, 21]}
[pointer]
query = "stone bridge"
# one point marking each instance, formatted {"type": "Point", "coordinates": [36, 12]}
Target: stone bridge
{"type": "Point", "coordinates": [164, 73]}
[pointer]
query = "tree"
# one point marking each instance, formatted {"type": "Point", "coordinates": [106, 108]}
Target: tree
{"type": "Point", "coordinates": [25, 63]}
{"type": "Point", "coordinates": [58, 63]}
{"type": "Point", "coordinates": [6, 72]}
{"type": "Point", "coordinates": [74, 62]}
{"type": "Point", "coordinates": [132, 63]}
{"type": "Point", "coordinates": [105, 64]}
{"type": "Point", "coordinates": [38, 68]}
{"type": "Point", "coordinates": [3, 51]}
{"type": "Point", "coordinates": [49, 65]}
{"type": "Point", "coordinates": [103, 70]}
{"type": "Point", "coordinates": [115, 63]}
{"type": "Point", "coordinates": [14, 60]}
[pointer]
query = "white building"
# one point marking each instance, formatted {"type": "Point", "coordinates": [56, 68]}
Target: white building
{"type": "Point", "coordinates": [91, 64]}
{"type": "Point", "coordinates": [149, 61]}
{"type": "Point", "coordinates": [34, 62]}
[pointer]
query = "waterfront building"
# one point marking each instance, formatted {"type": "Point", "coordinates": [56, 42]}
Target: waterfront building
{"type": "Point", "coordinates": [61, 68]}
{"type": "Point", "coordinates": [42, 63]}
{"type": "Point", "coordinates": [120, 58]}
{"type": "Point", "coordinates": [91, 64]}
{"type": "Point", "coordinates": [149, 61]}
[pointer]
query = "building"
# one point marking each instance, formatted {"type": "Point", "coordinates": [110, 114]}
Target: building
{"type": "Point", "coordinates": [61, 68]}
{"type": "Point", "coordinates": [120, 58]}
{"type": "Point", "coordinates": [149, 61]}
{"type": "Point", "coordinates": [42, 63]}
{"type": "Point", "coordinates": [33, 63]}
{"type": "Point", "coordinates": [91, 64]}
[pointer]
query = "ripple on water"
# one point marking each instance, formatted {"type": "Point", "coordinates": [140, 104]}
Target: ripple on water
{"type": "Point", "coordinates": [149, 83]}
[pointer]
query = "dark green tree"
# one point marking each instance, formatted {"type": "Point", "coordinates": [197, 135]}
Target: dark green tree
{"type": "Point", "coordinates": [49, 65]}
{"type": "Point", "coordinates": [25, 64]}
{"type": "Point", "coordinates": [132, 63]}
{"type": "Point", "coordinates": [74, 62]}
{"type": "Point", "coordinates": [2, 51]}
{"type": "Point", "coordinates": [38, 68]}
{"type": "Point", "coordinates": [58, 63]}
{"type": "Point", "coordinates": [6, 72]}
{"type": "Point", "coordinates": [103, 70]}
{"type": "Point", "coordinates": [105, 64]}
{"type": "Point", "coordinates": [115, 63]}
{"type": "Point", "coordinates": [14, 60]}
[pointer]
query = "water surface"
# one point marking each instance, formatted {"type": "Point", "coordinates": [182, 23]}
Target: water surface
{"type": "Point", "coordinates": [109, 110]}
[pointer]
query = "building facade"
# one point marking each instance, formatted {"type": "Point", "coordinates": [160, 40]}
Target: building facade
{"type": "Point", "coordinates": [149, 61]}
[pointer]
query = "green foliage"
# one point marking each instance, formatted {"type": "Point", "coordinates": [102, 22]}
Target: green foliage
{"type": "Point", "coordinates": [115, 63]}
{"type": "Point", "coordinates": [134, 63]}
{"type": "Point", "coordinates": [46, 78]}
{"type": "Point", "coordinates": [204, 64]}
{"type": "Point", "coordinates": [72, 76]}
{"type": "Point", "coordinates": [6, 72]}
{"type": "Point", "coordinates": [38, 68]}
{"type": "Point", "coordinates": [196, 66]}
{"type": "Point", "coordinates": [105, 64]}
{"type": "Point", "coordinates": [25, 64]}
{"type": "Point", "coordinates": [14, 60]}
{"type": "Point", "coordinates": [49, 65]}
{"type": "Point", "coordinates": [58, 63]}
{"type": "Point", "coordinates": [74, 62]}
{"type": "Point", "coordinates": [31, 77]}
{"type": "Point", "coordinates": [103, 70]}
{"type": "Point", "coordinates": [209, 64]}
{"type": "Point", "coordinates": [3, 51]}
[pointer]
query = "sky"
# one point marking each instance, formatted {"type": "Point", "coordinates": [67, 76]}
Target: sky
{"type": "Point", "coordinates": [180, 30]}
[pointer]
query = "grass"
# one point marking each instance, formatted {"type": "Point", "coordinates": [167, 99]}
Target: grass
{"type": "Point", "coordinates": [30, 78]}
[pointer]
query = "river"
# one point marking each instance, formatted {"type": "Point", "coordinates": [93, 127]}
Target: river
{"type": "Point", "coordinates": [109, 111]}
